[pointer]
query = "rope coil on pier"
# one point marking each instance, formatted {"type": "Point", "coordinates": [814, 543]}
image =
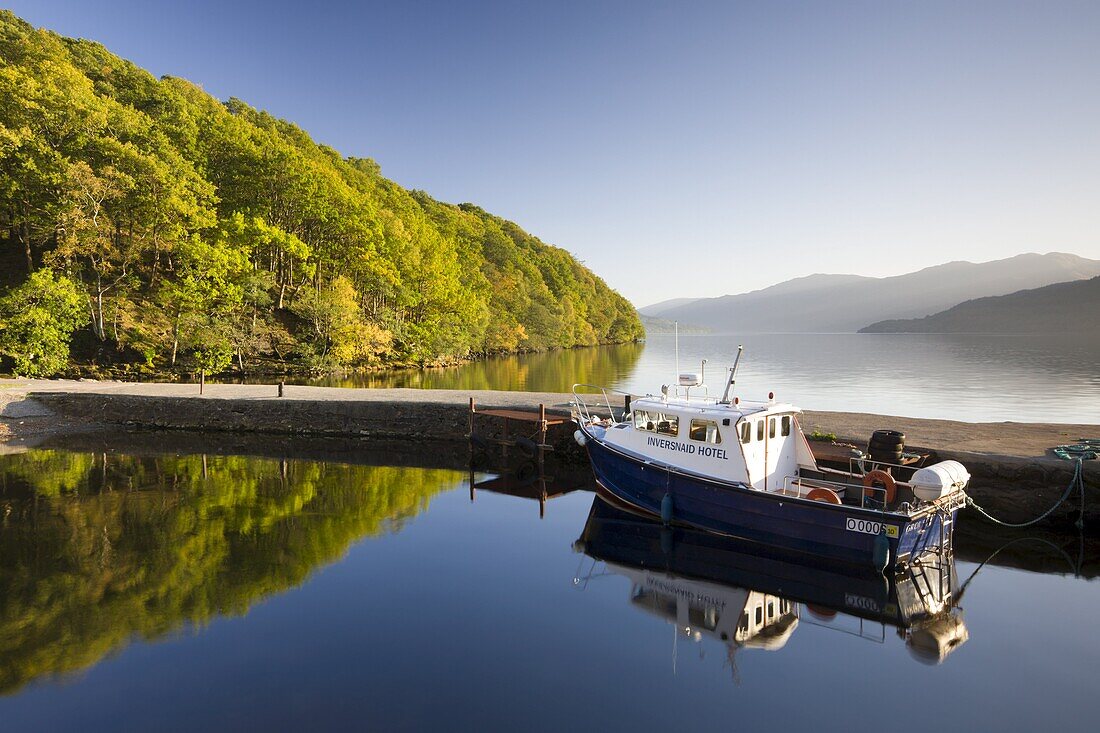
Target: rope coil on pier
{"type": "Point", "coordinates": [1077, 482]}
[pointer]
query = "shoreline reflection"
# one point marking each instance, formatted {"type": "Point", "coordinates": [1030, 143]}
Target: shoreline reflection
{"type": "Point", "coordinates": [100, 549]}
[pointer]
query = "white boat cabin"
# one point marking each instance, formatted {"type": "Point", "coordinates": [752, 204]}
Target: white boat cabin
{"type": "Point", "coordinates": [758, 444]}
{"type": "Point", "coordinates": [737, 616]}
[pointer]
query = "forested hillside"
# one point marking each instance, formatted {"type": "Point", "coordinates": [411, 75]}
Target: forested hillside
{"type": "Point", "coordinates": [147, 226]}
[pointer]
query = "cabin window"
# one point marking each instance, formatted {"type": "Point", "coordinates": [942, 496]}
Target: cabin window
{"type": "Point", "coordinates": [759, 429]}
{"type": "Point", "coordinates": [705, 431]}
{"type": "Point", "coordinates": [786, 427]}
{"type": "Point", "coordinates": [746, 432]}
{"type": "Point", "coordinates": [759, 610]}
{"type": "Point", "coordinates": [771, 427]}
{"type": "Point", "coordinates": [656, 422]}
{"type": "Point", "coordinates": [771, 610]}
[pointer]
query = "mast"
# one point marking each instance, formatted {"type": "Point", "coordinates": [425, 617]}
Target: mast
{"type": "Point", "coordinates": [733, 376]}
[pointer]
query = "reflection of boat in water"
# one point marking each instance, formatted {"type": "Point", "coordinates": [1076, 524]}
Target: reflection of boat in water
{"type": "Point", "coordinates": [749, 596]}
{"type": "Point", "coordinates": [738, 617]}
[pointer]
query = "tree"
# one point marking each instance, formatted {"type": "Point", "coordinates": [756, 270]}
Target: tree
{"type": "Point", "coordinates": [37, 320]}
{"type": "Point", "coordinates": [205, 299]}
{"type": "Point", "coordinates": [336, 332]}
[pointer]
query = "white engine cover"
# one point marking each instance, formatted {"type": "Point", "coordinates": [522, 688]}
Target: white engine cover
{"type": "Point", "coordinates": [939, 479]}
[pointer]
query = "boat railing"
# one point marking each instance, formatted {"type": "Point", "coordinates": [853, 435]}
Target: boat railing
{"type": "Point", "coordinates": [865, 465]}
{"type": "Point", "coordinates": [862, 463]}
{"type": "Point", "coordinates": [682, 392]}
{"type": "Point", "coordinates": [873, 631]}
{"type": "Point", "coordinates": [793, 485]}
{"type": "Point", "coordinates": [870, 492]}
{"type": "Point", "coordinates": [599, 399]}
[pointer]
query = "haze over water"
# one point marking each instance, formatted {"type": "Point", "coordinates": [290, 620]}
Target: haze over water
{"type": "Point", "coordinates": [969, 377]}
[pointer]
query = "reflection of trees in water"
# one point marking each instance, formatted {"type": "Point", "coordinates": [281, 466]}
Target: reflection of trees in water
{"type": "Point", "coordinates": [97, 549]}
{"type": "Point", "coordinates": [550, 371]}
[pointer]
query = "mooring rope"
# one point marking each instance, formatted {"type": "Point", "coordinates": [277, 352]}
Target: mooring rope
{"type": "Point", "coordinates": [1077, 482]}
{"type": "Point", "coordinates": [1074, 566]}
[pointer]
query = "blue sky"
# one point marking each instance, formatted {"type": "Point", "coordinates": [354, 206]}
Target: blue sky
{"type": "Point", "coordinates": [680, 149]}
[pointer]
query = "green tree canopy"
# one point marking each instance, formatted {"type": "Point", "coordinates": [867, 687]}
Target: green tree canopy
{"type": "Point", "coordinates": [37, 320]}
{"type": "Point", "coordinates": [205, 233]}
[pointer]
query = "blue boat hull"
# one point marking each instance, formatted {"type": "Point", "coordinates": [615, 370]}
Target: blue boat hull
{"type": "Point", "coordinates": [825, 531]}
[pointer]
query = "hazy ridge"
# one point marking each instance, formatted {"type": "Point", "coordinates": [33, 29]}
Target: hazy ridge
{"type": "Point", "coordinates": [847, 303]}
{"type": "Point", "coordinates": [1070, 306]}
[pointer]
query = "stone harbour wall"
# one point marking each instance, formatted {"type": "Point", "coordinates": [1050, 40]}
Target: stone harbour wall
{"type": "Point", "coordinates": [1014, 477]}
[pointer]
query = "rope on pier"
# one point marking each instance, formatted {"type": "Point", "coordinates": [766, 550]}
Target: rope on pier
{"type": "Point", "coordinates": [1085, 448]}
{"type": "Point", "coordinates": [1077, 482]}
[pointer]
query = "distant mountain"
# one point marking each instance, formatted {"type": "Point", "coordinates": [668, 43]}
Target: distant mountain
{"type": "Point", "coordinates": [663, 325]}
{"type": "Point", "coordinates": [658, 308]}
{"type": "Point", "coordinates": [846, 303]}
{"type": "Point", "coordinates": [1072, 306]}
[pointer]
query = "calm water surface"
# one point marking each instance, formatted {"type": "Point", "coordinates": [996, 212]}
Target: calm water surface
{"type": "Point", "coordinates": [980, 378]}
{"type": "Point", "coordinates": [167, 592]}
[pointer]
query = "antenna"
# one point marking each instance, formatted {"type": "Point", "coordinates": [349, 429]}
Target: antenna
{"type": "Point", "coordinates": [675, 638]}
{"type": "Point", "coordinates": [733, 376]}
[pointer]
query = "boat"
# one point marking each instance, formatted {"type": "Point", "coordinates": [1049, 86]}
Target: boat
{"type": "Point", "coordinates": [732, 591]}
{"type": "Point", "coordinates": [745, 469]}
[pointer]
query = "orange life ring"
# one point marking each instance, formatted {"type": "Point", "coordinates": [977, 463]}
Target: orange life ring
{"type": "Point", "coordinates": [883, 481]}
{"type": "Point", "coordinates": [822, 494]}
{"type": "Point", "coordinates": [822, 612]}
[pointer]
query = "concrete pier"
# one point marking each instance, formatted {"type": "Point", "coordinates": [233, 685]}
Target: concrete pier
{"type": "Point", "coordinates": [1014, 475]}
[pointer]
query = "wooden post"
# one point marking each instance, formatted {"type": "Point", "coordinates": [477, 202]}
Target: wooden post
{"type": "Point", "coordinates": [282, 385]}
{"type": "Point", "coordinates": [470, 449]}
{"type": "Point", "coordinates": [202, 380]}
{"type": "Point", "coordinates": [542, 434]}
{"type": "Point", "coordinates": [542, 489]}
